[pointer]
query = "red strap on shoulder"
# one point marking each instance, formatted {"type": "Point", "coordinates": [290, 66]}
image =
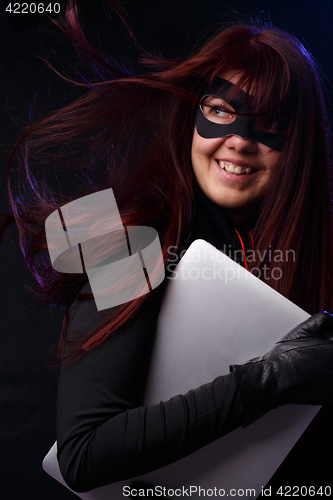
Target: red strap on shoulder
{"type": "Point", "coordinates": [243, 247]}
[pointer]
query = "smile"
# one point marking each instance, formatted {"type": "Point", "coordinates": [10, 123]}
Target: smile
{"type": "Point", "coordinates": [235, 169]}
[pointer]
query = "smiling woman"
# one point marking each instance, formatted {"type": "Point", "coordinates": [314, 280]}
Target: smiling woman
{"type": "Point", "coordinates": [236, 169]}
{"type": "Point", "coordinates": [230, 145]}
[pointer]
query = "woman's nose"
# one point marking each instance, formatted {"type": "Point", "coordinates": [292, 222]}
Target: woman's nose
{"type": "Point", "coordinates": [240, 144]}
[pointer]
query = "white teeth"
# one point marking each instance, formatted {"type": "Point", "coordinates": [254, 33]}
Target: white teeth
{"type": "Point", "coordinates": [235, 170]}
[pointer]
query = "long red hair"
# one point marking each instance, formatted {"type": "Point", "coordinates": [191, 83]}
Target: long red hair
{"type": "Point", "coordinates": [133, 132]}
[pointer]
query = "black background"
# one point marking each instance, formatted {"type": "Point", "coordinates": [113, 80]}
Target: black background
{"type": "Point", "coordinates": [28, 384]}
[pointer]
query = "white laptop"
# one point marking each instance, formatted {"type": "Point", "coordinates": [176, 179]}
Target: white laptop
{"type": "Point", "coordinates": [215, 313]}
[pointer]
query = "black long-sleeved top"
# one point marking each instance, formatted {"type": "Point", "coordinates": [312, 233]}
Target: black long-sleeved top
{"type": "Point", "coordinates": [104, 434]}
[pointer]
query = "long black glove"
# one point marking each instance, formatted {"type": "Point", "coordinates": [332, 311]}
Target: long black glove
{"type": "Point", "coordinates": [298, 370]}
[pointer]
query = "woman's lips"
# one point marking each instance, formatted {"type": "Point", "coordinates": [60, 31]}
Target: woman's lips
{"type": "Point", "coordinates": [234, 173]}
{"type": "Point", "coordinates": [236, 168]}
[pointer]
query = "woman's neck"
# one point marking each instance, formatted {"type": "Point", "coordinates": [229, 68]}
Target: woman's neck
{"type": "Point", "coordinates": [242, 218]}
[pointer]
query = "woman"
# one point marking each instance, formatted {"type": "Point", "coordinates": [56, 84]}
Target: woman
{"type": "Point", "coordinates": [230, 145]}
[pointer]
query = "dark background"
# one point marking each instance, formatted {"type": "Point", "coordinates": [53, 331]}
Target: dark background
{"type": "Point", "coordinates": [28, 333]}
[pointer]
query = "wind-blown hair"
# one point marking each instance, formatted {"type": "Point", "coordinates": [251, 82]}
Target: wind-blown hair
{"type": "Point", "coordinates": [134, 132]}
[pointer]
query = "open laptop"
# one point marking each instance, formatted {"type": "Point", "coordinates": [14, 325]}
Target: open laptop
{"type": "Point", "coordinates": [215, 313]}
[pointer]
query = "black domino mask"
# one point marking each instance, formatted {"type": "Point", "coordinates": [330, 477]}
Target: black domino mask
{"type": "Point", "coordinates": [241, 126]}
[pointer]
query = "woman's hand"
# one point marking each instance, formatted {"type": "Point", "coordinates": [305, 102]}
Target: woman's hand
{"type": "Point", "coordinates": [297, 370]}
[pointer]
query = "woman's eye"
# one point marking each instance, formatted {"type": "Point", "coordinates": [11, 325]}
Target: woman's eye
{"type": "Point", "coordinates": [221, 113]}
{"type": "Point", "coordinates": [217, 110]}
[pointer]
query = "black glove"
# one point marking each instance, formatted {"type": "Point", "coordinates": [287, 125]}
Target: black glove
{"type": "Point", "coordinates": [298, 370]}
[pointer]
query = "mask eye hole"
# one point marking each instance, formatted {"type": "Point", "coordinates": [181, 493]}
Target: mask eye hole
{"type": "Point", "coordinates": [274, 128]}
{"type": "Point", "coordinates": [217, 110]}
